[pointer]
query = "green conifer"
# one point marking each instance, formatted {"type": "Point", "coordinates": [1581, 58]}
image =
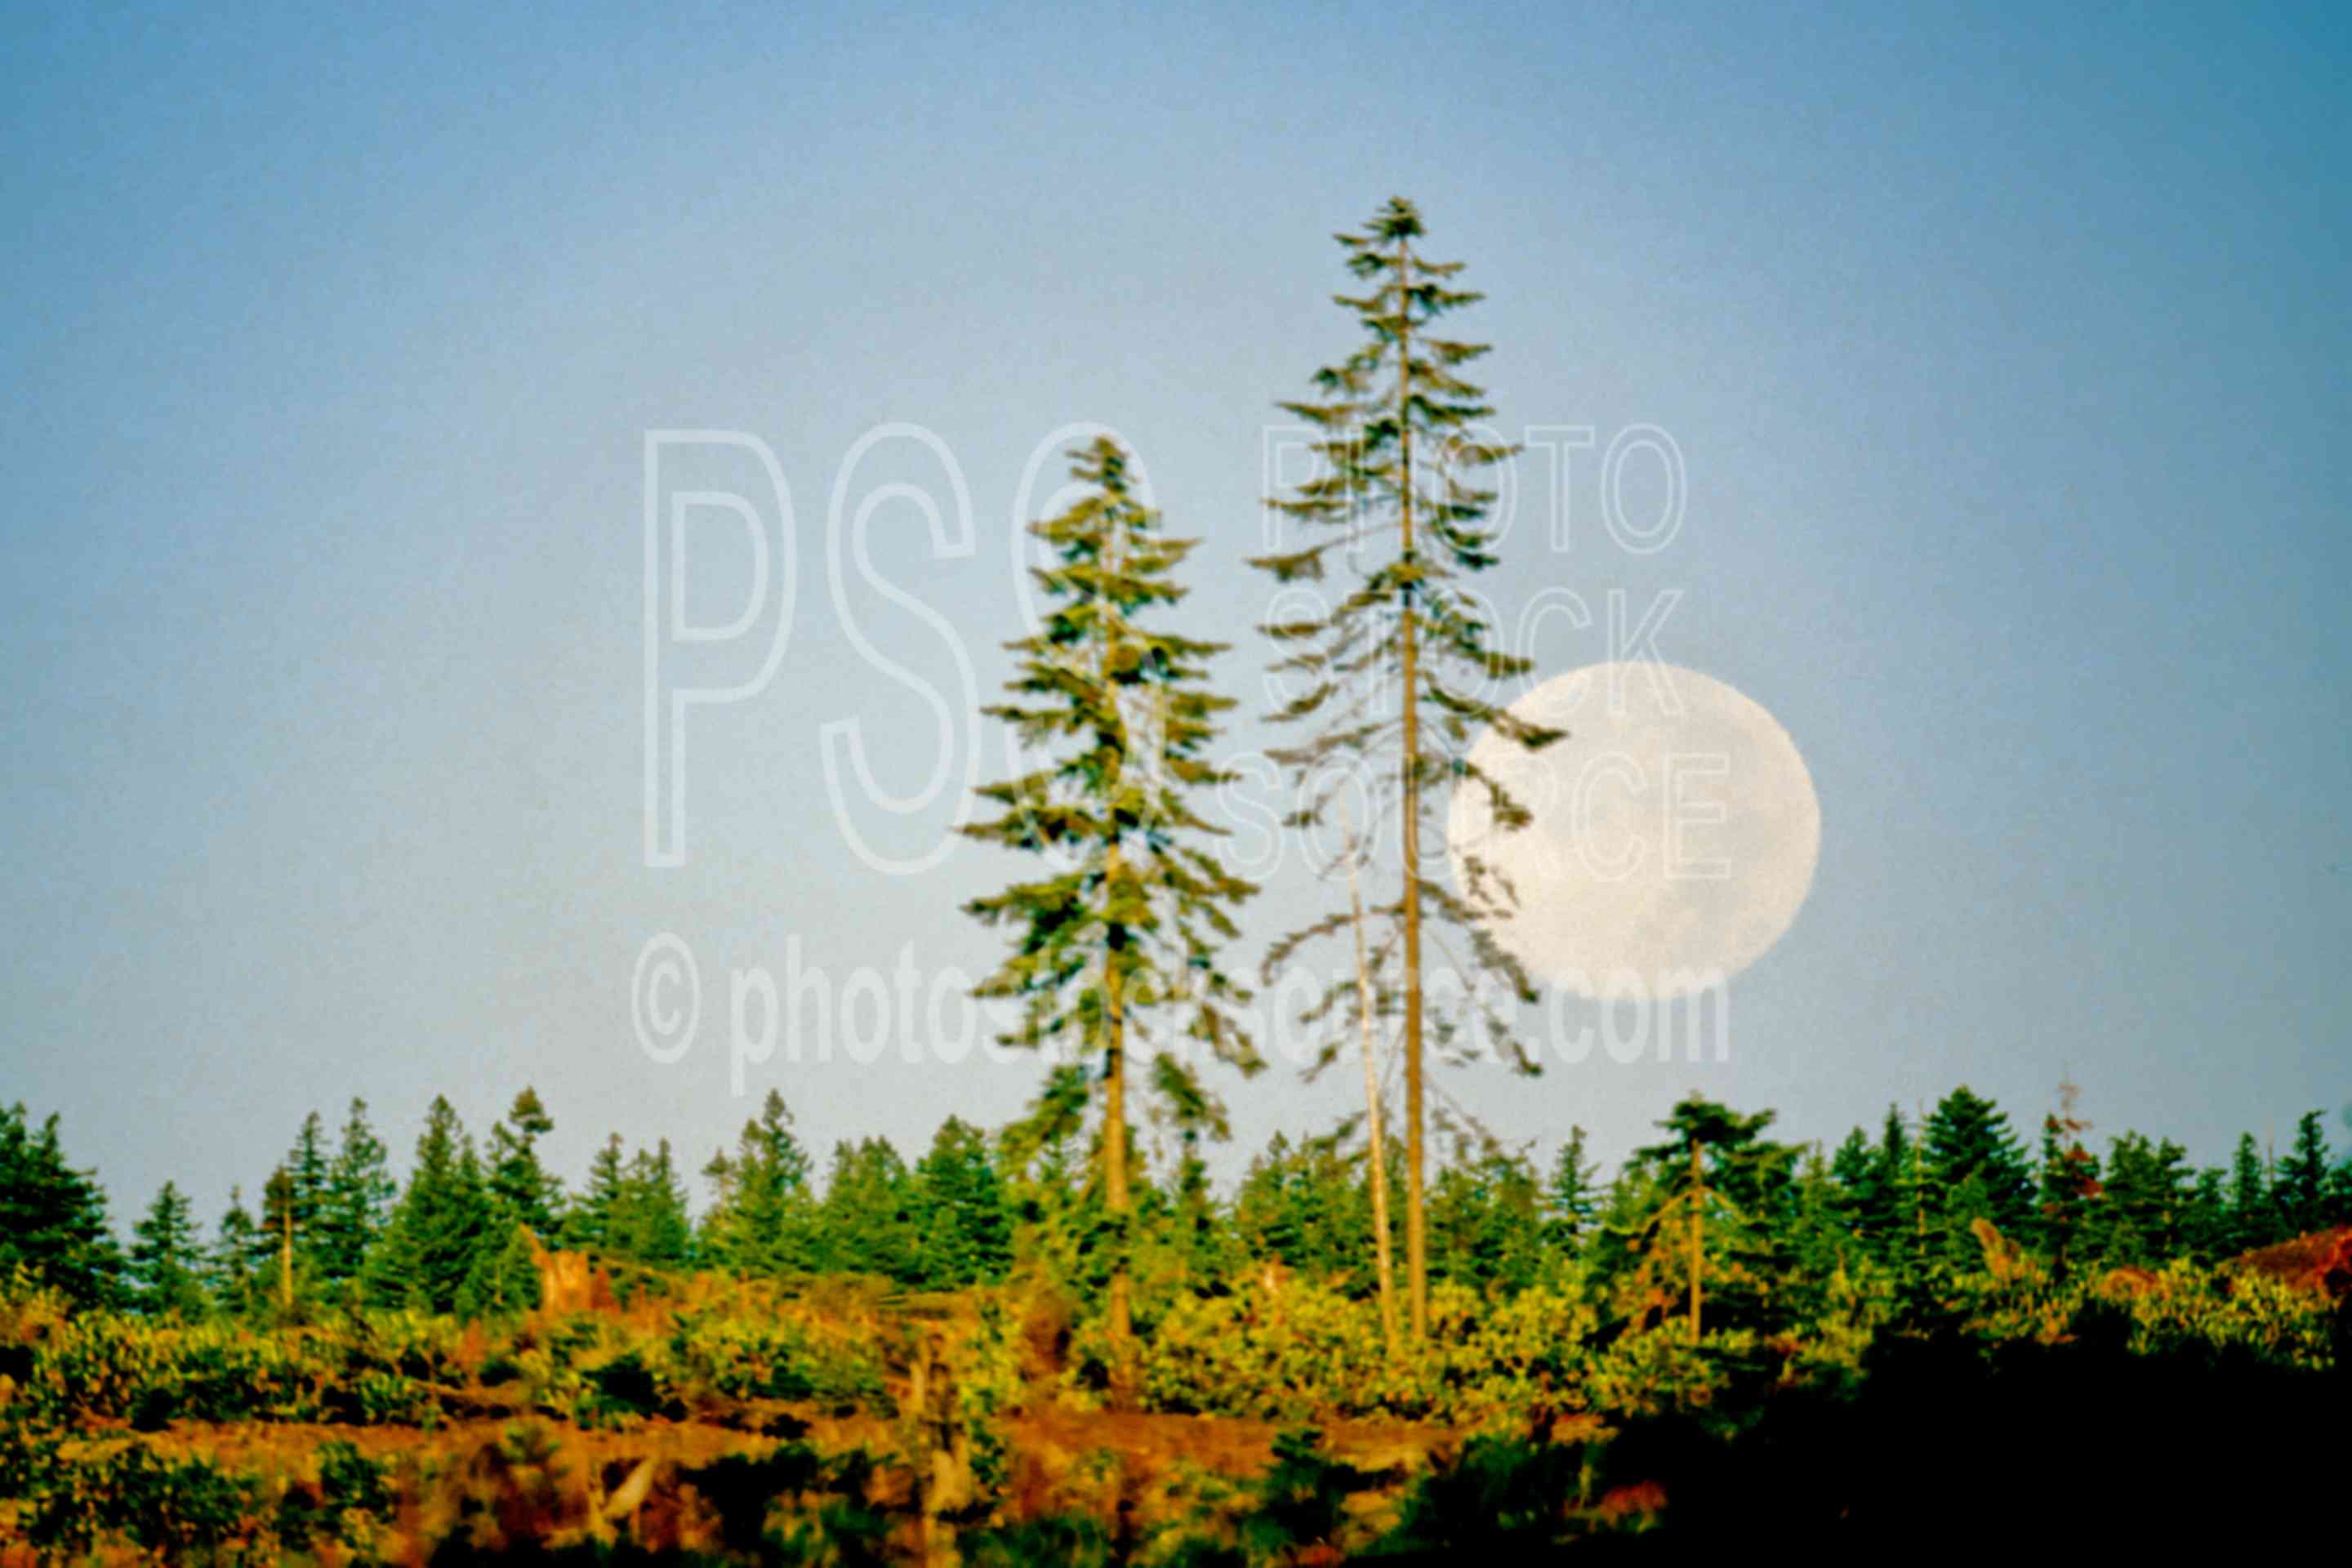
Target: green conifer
{"type": "Point", "coordinates": [1394, 672]}
{"type": "Point", "coordinates": [759, 1220]}
{"type": "Point", "coordinates": [2253, 1221]}
{"type": "Point", "coordinates": [962, 1218]}
{"type": "Point", "coordinates": [53, 1220]}
{"type": "Point", "coordinates": [867, 1223]}
{"type": "Point", "coordinates": [166, 1262]}
{"type": "Point", "coordinates": [2300, 1191]}
{"type": "Point", "coordinates": [528, 1194]}
{"type": "Point", "coordinates": [1976, 1170]}
{"type": "Point", "coordinates": [1571, 1197]}
{"type": "Point", "coordinates": [356, 1200]}
{"type": "Point", "coordinates": [433, 1247]}
{"type": "Point", "coordinates": [229, 1267]}
{"type": "Point", "coordinates": [2067, 1182]}
{"type": "Point", "coordinates": [658, 1229]}
{"type": "Point", "coordinates": [1128, 917]}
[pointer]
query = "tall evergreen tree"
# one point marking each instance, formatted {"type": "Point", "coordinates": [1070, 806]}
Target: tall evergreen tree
{"type": "Point", "coordinates": [2252, 1222]}
{"type": "Point", "coordinates": [2145, 1202]}
{"type": "Point", "coordinates": [442, 1228]}
{"type": "Point", "coordinates": [1486, 1221]}
{"type": "Point", "coordinates": [2302, 1189]}
{"type": "Point", "coordinates": [307, 1165]}
{"type": "Point", "coordinates": [2205, 1223]}
{"type": "Point", "coordinates": [1132, 911]}
{"type": "Point", "coordinates": [596, 1221]}
{"type": "Point", "coordinates": [962, 1218]}
{"type": "Point", "coordinates": [1853, 1171]}
{"type": "Point", "coordinates": [1264, 1216]}
{"type": "Point", "coordinates": [1978, 1170]}
{"type": "Point", "coordinates": [1394, 673]}
{"type": "Point", "coordinates": [867, 1221]}
{"type": "Point", "coordinates": [53, 1220]}
{"type": "Point", "coordinates": [1571, 1197]}
{"type": "Point", "coordinates": [229, 1267]}
{"type": "Point", "coordinates": [654, 1226]}
{"type": "Point", "coordinates": [166, 1260]}
{"type": "Point", "coordinates": [527, 1192]}
{"type": "Point", "coordinates": [2067, 1182]}
{"type": "Point", "coordinates": [1299, 1204]}
{"type": "Point", "coordinates": [356, 1200]}
{"type": "Point", "coordinates": [759, 1217]}
{"type": "Point", "coordinates": [1712, 1242]}
{"type": "Point", "coordinates": [1895, 1200]}
{"type": "Point", "coordinates": [1819, 1218]}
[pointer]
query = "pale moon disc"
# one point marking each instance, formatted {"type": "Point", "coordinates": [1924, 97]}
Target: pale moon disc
{"type": "Point", "coordinates": [1674, 837]}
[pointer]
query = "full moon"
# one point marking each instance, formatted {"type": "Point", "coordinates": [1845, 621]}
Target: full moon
{"type": "Point", "coordinates": [1674, 837]}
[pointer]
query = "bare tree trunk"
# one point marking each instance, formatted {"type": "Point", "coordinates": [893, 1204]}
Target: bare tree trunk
{"type": "Point", "coordinates": [1416, 1245]}
{"type": "Point", "coordinates": [1919, 1185]}
{"type": "Point", "coordinates": [1698, 1206]}
{"type": "Point", "coordinates": [1115, 1149]}
{"type": "Point", "coordinates": [1115, 1109]}
{"type": "Point", "coordinates": [286, 1253]}
{"type": "Point", "coordinates": [1373, 1113]}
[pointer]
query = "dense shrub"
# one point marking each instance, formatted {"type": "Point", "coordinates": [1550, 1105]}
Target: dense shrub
{"type": "Point", "coordinates": [65, 1495]}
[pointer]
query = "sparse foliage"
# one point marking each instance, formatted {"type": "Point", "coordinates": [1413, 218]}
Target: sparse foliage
{"type": "Point", "coordinates": [1396, 667]}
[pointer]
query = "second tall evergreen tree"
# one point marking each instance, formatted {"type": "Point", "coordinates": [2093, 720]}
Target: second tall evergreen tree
{"type": "Point", "coordinates": [1128, 915]}
{"type": "Point", "coordinates": [1396, 669]}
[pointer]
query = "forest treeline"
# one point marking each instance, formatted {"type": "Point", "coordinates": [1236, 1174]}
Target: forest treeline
{"type": "Point", "coordinates": [333, 1228]}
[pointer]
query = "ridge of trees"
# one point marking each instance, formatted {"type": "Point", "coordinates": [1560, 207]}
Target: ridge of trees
{"type": "Point", "coordinates": [978, 1207]}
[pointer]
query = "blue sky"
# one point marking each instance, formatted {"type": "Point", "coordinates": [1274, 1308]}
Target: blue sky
{"type": "Point", "coordinates": [2004, 354]}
